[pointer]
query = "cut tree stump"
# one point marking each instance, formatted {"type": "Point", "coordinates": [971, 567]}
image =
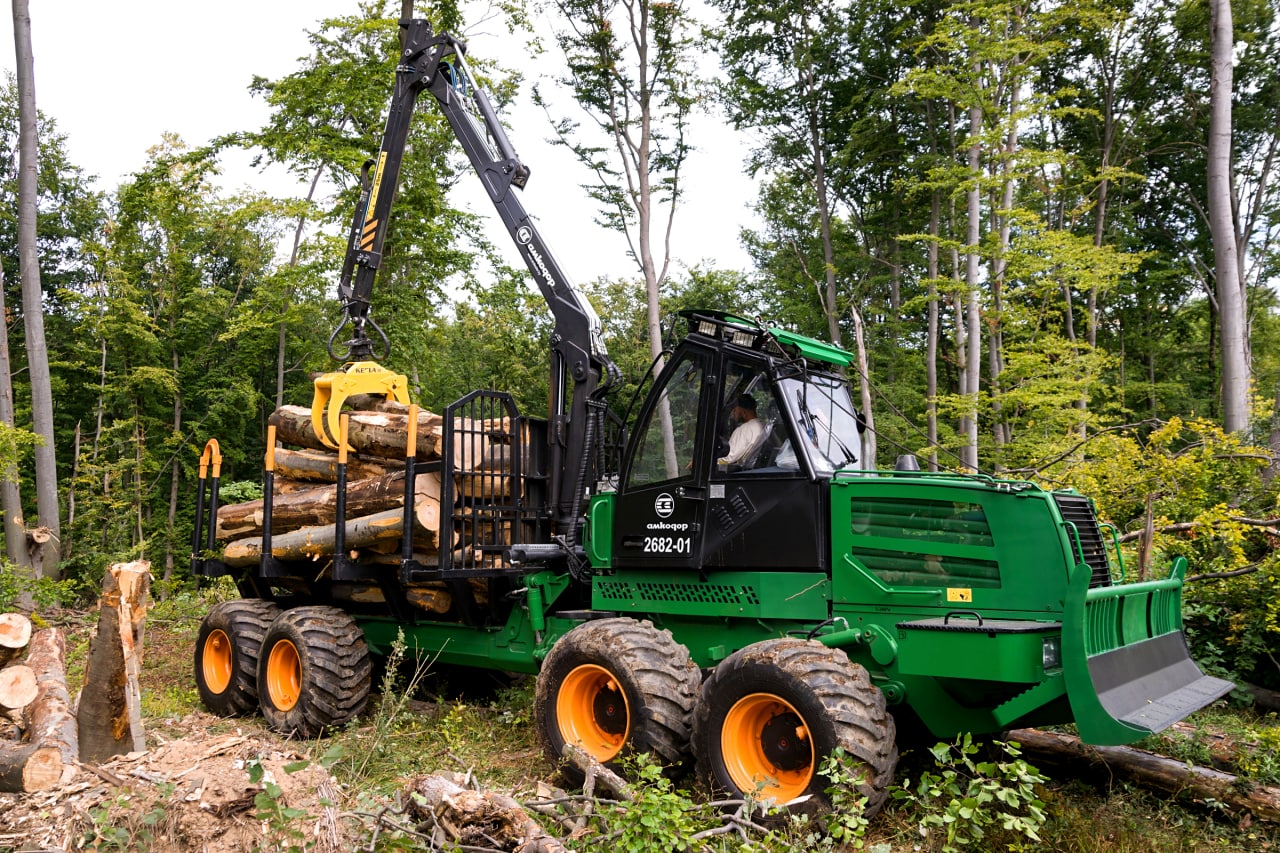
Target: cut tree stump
{"type": "Point", "coordinates": [317, 506]}
{"type": "Point", "coordinates": [28, 767]}
{"type": "Point", "coordinates": [17, 687]}
{"type": "Point", "coordinates": [49, 719]}
{"type": "Point", "coordinates": [109, 717]}
{"type": "Point", "coordinates": [318, 542]}
{"type": "Point", "coordinates": [15, 633]}
{"type": "Point", "coordinates": [1152, 771]}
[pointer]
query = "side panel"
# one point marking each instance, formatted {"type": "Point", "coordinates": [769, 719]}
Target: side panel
{"type": "Point", "coordinates": [947, 545]}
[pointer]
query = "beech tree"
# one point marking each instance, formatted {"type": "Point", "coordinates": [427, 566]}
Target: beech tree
{"type": "Point", "coordinates": [631, 68]}
{"type": "Point", "coordinates": [1222, 223]}
{"type": "Point", "coordinates": [46, 466]}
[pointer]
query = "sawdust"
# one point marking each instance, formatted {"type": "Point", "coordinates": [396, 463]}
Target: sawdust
{"type": "Point", "coordinates": [193, 793]}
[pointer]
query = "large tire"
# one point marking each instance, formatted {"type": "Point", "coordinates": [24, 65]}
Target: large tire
{"type": "Point", "coordinates": [226, 658]}
{"type": "Point", "coordinates": [314, 671]}
{"type": "Point", "coordinates": [614, 687]}
{"type": "Point", "coordinates": [770, 713]}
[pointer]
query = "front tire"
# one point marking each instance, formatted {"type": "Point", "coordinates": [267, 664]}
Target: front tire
{"type": "Point", "coordinates": [314, 671]}
{"type": "Point", "coordinates": [615, 686]}
{"type": "Point", "coordinates": [226, 655]}
{"type": "Point", "coordinates": [771, 712]}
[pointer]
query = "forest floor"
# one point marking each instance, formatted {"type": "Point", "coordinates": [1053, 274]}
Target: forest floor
{"type": "Point", "coordinates": [211, 784]}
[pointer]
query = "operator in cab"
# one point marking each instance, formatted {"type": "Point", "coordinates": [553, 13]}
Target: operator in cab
{"type": "Point", "coordinates": [746, 435]}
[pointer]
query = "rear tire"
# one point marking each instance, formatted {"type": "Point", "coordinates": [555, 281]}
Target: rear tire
{"type": "Point", "coordinates": [226, 655]}
{"type": "Point", "coordinates": [314, 671]}
{"type": "Point", "coordinates": [613, 687]}
{"type": "Point", "coordinates": [771, 712]}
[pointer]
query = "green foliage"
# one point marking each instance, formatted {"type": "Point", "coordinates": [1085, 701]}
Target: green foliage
{"type": "Point", "coordinates": [392, 702]}
{"type": "Point", "coordinates": [46, 593]}
{"type": "Point", "coordinates": [240, 491]}
{"type": "Point", "coordinates": [281, 820]}
{"type": "Point", "coordinates": [659, 817]}
{"type": "Point", "coordinates": [845, 826]}
{"type": "Point", "coordinates": [1203, 490]}
{"type": "Point", "coordinates": [116, 824]}
{"type": "Point", "coordinates": [970, 798]}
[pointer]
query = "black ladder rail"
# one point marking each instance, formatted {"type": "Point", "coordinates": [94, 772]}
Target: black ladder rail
{"type": "Point", "coordinates": [268, 565]}
{"type": "Point", "coordinates": [210, 460]}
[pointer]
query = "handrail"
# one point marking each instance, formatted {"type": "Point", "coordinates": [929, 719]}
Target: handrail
{"type": "Point", "coordinates": [1074, 535]}
{"type": "Point", "coordinates": [1115, 541]}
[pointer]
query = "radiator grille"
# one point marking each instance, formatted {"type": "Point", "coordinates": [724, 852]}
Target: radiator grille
{"type": "Point", "coordinates": [1077, 510]}
{"type": "Point", "coordinates": [701, 593]}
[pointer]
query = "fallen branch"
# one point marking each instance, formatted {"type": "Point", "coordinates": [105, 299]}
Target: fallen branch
{"type": "Point", "coordinates": [1153, 771]}
{"type": "Point", "coordinates": [1271, 525]}
{"type": "Point", "coordinates": [594, 772]}
{"type": "Point", "coordinates": [1268, 700]}
{"type": "Point", "coordinates": [478, 819]}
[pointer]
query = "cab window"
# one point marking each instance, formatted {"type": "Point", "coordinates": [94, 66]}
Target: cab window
{"type": "Point", "coordinates": [750, 430]}
{"type": "Point", "coordinates": [668, 437]}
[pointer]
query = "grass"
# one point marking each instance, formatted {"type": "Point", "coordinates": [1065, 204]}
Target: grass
{"type": "Point", "coordinates": [445, 719]}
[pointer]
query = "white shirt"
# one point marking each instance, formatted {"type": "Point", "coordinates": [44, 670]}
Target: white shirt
{"type": "Point", "coordinates": [745, 438]}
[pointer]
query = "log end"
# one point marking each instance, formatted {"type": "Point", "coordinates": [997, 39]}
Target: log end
{"type": "Point", "coordinates": [18, 687]}
{"type": "Point", "coordinates": [43, 769]}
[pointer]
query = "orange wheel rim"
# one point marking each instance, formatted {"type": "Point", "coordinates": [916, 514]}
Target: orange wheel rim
{"type": "Point", "coordinates": [592, 712]}
{"type": "Point", "coordinates": [766, 745]}
{"type": "Point", "coordinates": [215, 660]}
{"type": "Point", "coordinates": [284, 675]}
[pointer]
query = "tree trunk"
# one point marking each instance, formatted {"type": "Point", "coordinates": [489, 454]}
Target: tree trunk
{"type": "Point", "coordinates": [868, 460]}
{"type": "Point", "coordinates": [175, 475]}
{"type": "Point", "coordinates": [317, 506]}
{"type": "Point", "coordinates": [972, 358]}
{"type": "Point", "coordinates": [109, 718]}
{"type": "Point", "coordinates": [50, 721]}
{"type": "Point", "coordinates": [28, 767]}
{"type": "Point", "coordinates": [1152, 771]}
{"type": "Point", "coordinates": [932, 330]}
{"type": "Point", "coordinates": [32, 294]}
{"type": "Point", "coordinates": [10, 496]}
{"type": "Point", "coordinates": [1000, 427]}
{"type": "Point", "coordinates": [318, 542]}
{"type": "Point", "coordinates": [1235, 368]}
{"type": "Point", "coordinates": [282, 335]}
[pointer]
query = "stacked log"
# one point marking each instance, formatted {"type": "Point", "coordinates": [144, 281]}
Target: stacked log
{"type": "Point", "coordinates": [304, 499]}
{"type": "Point", "coordinates": [42, 745]}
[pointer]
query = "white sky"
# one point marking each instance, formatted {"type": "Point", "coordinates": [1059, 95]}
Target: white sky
{"type": "Point", "coordinates": [115, 76]}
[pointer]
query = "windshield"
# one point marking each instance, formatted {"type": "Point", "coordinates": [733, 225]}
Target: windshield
{"type": "Point", "coordinates": [825, 420]}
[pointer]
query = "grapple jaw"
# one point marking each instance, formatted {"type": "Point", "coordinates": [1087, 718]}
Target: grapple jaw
{"type": "Point", "coordinates": [1128, 670]}
{"type": "Point", "coordinates": [332, 390]}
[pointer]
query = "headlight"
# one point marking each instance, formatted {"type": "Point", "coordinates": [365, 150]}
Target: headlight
{"type": "Point", "coordinates": [1052, 653]}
